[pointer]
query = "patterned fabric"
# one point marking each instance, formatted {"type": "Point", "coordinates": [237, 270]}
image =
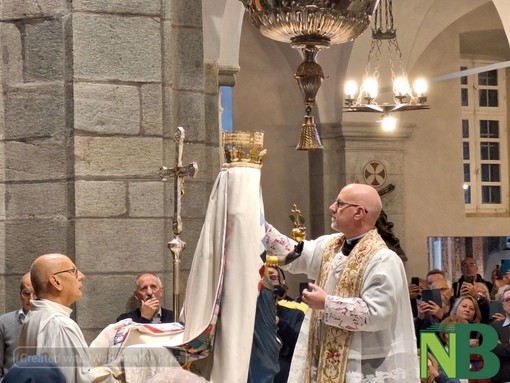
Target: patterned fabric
{"type": "Point", "coordinates": [348, 313]}
{"type": "Point", "coordinates": [383, 350]}
{"type": "Point", "coordinates": [332, 343]}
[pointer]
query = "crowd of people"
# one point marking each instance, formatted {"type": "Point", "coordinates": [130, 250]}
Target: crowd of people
{"type": "Point", "coordinates": [470, 299]}
{"type": "Point", "coordinates": [359, 321]}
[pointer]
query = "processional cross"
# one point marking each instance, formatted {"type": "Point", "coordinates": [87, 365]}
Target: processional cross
{"type": "Point", "coordinates": [176, 245]}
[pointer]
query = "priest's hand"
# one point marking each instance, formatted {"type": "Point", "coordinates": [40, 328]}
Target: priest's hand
{"type": "Point", "coordinates": [149, 308]}
{"type": "Point", "coordinates": [314, 297]}
{"type": "Point", "coordinates": [294, 254]}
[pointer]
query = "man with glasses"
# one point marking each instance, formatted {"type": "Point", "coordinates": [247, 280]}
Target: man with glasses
{"type": "Point", "coordinates": [49, 329]}
{"type": "Point", "coordinates": [148, 292]}
{"type": "Point", "coordinates": [466, 283]}
{"type": "Point", "coordinates": [429, 312]}
{"type": "Point", "coordinates": [361, 324]}
{"type": "Point", "coordinates": [10, 325]}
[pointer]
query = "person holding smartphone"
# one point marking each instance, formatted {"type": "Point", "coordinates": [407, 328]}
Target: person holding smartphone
{"type": "Point", "coordinates": [434, 306]}
{"type": "Point", "coordinates": [466, 283]}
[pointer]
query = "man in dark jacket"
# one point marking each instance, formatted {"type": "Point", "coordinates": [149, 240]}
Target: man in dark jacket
{"type": "Point", "coordinates": [470, 275]}
{"type": "Point", "coordinates": [149, 291]}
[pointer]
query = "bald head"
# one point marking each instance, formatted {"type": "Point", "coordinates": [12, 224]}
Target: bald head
{"type": "Point", "coordinates": [368, 197]}
{"type": "Point", "coordinates": [356, 210]}
{"type": "Point", "coordinates": [42, 268]}
{"type": "Point", "coordinates": [55, 277]}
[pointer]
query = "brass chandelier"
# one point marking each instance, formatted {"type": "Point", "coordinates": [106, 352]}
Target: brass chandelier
{"type": "Point", "coordinates": [310, 25]}
{"type": "Point", "coordinates": [404, 98]}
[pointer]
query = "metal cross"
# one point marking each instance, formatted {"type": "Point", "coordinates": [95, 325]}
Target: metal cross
{"type": "Point", "coordinates": [176, 245]}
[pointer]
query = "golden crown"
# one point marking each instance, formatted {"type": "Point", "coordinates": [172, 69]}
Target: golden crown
{"type": "Point", "coordinates": [243, 148]}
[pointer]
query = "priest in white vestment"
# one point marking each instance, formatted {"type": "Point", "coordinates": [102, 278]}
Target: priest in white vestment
{"type": "Point", "coordinates": [361, 325]}
{"type": "Point", "coordinates": [49, 329]}
{"type": "Point", "coordinates": [52, 332]}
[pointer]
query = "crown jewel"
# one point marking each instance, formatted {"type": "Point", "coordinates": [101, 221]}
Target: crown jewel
{"type": "Point", "coordinates": [243, 148]}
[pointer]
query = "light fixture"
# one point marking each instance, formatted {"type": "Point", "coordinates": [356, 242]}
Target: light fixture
{"type": "Point", "coordinates": [388, 123]}
{"type": "Point", "coordinates": [310, 25]}
{"type": "Point", "coordinates": [404, 99]}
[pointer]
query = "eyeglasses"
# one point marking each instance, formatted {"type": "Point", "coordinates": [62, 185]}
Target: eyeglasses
{"type": "Point", "coordinates": [340, 204]}
{"type": "Point", "coordinates": [27, 293]}
{"type": "Point", "coordinates": [73, 271]}
{"type": "Point", "coordinates": [507, 300]}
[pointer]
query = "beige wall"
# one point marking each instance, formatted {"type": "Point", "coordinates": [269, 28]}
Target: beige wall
{"type": "Point", "coordinates": [93, 92]}
{"type": "Point", "coordinates": [423, 159]}
{"type": "Point", "coordinates": [434, 196]}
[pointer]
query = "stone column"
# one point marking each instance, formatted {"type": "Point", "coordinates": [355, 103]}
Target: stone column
{"type": "Point", "coordinates": [36, 129]}
{"type": "Point", "coordinates": [93, 93]}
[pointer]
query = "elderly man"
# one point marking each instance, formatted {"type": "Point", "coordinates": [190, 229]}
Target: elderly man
{"type": "Point", "coordinates": [149, 291]}
{"type": "Point", "coordinates": [360, 324]}
{"type": "Point", "coordinates": [49, 329]}
{"type": "Point", "coordinates": [10, 325]}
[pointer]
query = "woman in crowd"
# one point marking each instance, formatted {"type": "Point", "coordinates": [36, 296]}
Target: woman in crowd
{"type": "Point", "coordinates": [466, 307]}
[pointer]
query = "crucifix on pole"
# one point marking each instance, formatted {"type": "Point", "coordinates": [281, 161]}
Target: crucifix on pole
{"type": "Point", "coordinates": [177, 245]}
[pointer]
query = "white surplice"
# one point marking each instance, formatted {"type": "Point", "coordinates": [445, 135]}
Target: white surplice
{"type": "Point", "coordinates": [50, 331]}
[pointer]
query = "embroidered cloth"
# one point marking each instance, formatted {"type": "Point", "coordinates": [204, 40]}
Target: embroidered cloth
{"type": "Point", "coordinates": [382, 347]}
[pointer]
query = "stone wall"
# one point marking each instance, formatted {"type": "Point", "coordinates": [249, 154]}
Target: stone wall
{"type": "Point", "coordinates": [93, 92]}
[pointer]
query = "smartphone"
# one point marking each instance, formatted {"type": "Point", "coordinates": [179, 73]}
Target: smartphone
{"type": "Point", "coordinates": [433, 295]}
{"type": "Point", "coordinates": [470, 279]}
{"type": "Point", "coordinates": [505, 266]}
{"type": "Point", "coordinates": [415, 281]}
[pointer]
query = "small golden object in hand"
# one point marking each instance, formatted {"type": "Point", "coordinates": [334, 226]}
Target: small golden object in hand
{"type": "Point", "coordinates": [298, 233]}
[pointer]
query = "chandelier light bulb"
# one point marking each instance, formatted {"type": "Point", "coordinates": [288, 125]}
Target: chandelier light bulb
{"type": "Point", "coordinates": [465, 186]}
{"type": "Point", "coordinates": [350, 89]}
{"type": "Point", "coordinates": [420, 87]}
{"type": "Point", "coordinates": [400, 86]}
{"type": "Point", "coordinates": [370, 87]}
{"type": "Point", "coordinates": [388, 123]}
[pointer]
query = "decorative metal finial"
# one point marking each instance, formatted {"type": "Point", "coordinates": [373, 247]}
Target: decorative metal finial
{"type": "Point", "coordinates": [298, 233]}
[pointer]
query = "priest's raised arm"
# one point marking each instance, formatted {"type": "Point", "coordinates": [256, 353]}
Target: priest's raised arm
{"type": "Point", "coordinates": [361, 323]}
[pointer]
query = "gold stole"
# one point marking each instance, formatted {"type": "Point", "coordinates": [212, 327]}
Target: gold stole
{"type": "Point", "coordinates": [333, 348]}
